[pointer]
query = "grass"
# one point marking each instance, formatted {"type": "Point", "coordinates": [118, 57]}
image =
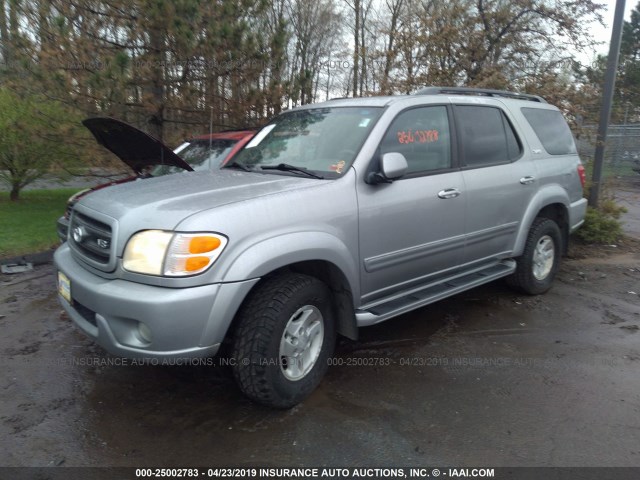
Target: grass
{"type": "Point", "coordinates": [29, 225]}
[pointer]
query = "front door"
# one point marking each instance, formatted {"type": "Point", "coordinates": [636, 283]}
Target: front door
{"type": "Point", "coordinates": [412, 230]}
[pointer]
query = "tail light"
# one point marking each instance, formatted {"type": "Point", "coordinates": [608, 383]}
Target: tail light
{"type": "Point", "coordinates": [582, 175]}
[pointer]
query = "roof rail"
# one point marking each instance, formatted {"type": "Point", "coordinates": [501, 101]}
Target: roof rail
{"type": "Point", "coordinates": [479, 91]}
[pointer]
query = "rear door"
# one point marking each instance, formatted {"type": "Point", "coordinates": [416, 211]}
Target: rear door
{"type": "Point", "coordinates": [499, 178]}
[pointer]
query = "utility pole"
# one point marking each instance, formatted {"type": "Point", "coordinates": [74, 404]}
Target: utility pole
{"type": "Point", "coordinates": [607, 100]}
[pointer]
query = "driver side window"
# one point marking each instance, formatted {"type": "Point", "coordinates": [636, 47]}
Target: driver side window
{"type": "Point", "coordinates": [422, 135]}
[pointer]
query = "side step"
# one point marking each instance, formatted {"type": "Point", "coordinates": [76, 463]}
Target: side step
{"type": "Point", "coordinates": [399, 304]}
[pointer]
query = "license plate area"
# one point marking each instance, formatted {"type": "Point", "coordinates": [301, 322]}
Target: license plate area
{"type": "Point", "coordinates": [64, 286]}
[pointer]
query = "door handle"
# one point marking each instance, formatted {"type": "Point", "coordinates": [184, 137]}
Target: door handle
{"type": "Point", "coordinates": [449, 193]}
{"type": "Point", "coordinates": [527, 180]}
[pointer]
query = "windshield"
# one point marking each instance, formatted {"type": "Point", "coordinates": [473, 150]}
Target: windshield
{"type": "Point", "coordinates": [323, 140]}
{"type": "Point", "coordinates": [202, 155]}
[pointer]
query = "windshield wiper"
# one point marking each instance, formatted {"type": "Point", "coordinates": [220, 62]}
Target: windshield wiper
{"type": "Point", "coordinates": [285, 167]}
{"type": "Point", "coordinates": [237, 164]}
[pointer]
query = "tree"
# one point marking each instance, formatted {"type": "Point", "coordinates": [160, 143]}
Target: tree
{"type": "Point", "coordinates": [486, 43]}
{"type": "Point", "coordinates": [4, 35]}
{"type": "Point", "coordinates": [626, 106]}
{"type": "Point", "coordinates": [630, 46]}
{"type": "Point", "coordinates": [169, 67]}
{"type": "Point", "coordinates": [315, 26]}
{"type": "Point", "coordinates": [628, 82]}
{"type": "Point", "coordinates": [33, 139]}
{"type": "Point", "coordinates": [10, 37]}
{"type": "Point", "coordinates": [361, 10]}
{"type": "Point", "coordinates": [394, 9]}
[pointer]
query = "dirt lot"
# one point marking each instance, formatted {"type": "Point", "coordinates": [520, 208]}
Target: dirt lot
{"type": "Point", "coordinates": [486, 378]}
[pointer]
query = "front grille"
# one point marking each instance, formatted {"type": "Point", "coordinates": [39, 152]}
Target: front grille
{"type": "Point", "coordinates": [91, 238]}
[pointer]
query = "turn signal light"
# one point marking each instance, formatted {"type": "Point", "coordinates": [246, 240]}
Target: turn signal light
{"type": "Point", "coordinates": [203, 244]}
{"type": "Point", "coordinates": [193, 264]}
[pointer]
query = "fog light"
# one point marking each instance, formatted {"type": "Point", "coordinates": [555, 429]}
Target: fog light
{"type": "Point", "coordinates": [144, 332]}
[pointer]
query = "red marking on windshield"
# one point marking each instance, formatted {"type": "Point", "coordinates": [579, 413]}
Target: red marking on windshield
{"type": "Point", "coordinates": [420, 136]}
{"type": "Point", "coordinates": [337, 167]}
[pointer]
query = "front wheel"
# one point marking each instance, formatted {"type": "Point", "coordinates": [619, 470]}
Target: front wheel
{"type": "Point", "coordinates": [538, 265]}
{"type": "Point", "coordinates": [284, 339]}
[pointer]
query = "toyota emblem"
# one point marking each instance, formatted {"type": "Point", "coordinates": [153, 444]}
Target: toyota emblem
{"type": "Point", "coordinates": [78, 234]}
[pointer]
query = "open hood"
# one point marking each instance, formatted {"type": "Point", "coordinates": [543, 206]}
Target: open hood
{"type": "Point", "coordinates": [132, 146]}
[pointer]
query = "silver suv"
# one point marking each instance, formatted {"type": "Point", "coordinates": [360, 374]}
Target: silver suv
{"type": "Point", "coordinates": [334, 216]}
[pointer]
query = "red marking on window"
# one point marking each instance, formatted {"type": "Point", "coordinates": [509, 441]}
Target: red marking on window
{"type": "Point", "coordinates": [406, 137]}
{"type": "Point", "coordinates": [420, 136]}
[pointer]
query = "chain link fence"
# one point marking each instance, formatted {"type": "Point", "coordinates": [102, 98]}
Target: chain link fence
{"type": "Point", "coordinates": [621, 168]}
{"type": "Point", "coordinates": [621, 156]}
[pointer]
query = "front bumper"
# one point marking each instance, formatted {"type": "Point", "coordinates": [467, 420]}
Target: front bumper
{"type": "Point", "coordinates": [183, 322]}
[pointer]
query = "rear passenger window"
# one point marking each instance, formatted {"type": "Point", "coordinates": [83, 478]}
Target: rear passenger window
{"type": "Point", "coordinates": [551, 129]}
{"type": "Point", "coordinates": [422, 135]}
{"type": "Point", "coordinates": [486, 136]}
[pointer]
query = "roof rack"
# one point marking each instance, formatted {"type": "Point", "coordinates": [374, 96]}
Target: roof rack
{"type": "Point", "coordinates": [479, 91]}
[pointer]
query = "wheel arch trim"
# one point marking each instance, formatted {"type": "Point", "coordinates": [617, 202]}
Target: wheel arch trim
{"type": "Point", "coordinates": [548, 198]}
{"type": "Point", "coordinates": [317, 254]}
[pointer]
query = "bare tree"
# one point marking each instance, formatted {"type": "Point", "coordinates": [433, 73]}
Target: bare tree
{"type": "Point", "coordinates": [394, 9]}
{"type": "Point", "coordinates": [171, 67]}
{"type": "Point", "coordinates": [315, 26]}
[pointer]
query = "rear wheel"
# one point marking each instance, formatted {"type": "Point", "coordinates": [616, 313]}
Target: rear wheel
{"type": "Point", "coordinates": [284, 339]}
{"type": "Point", "coordinates": [538, 265]}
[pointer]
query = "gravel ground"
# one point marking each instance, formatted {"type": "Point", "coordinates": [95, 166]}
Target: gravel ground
{"type": "Point", "coordinates": [485, 378]}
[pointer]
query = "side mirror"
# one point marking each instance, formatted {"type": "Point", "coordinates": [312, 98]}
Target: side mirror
{"type": "Point", "coordinates": [393, 165]}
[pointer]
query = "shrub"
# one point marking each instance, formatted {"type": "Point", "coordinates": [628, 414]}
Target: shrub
{"type": "Point", "coordinates": [602, 224]}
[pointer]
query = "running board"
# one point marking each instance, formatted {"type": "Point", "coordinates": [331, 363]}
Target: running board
{"type": "Point", "coordinates": [370, 315]}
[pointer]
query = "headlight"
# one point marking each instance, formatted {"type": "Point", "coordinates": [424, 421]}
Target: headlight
{"type": "Point", "coordinates": [156, 252]}
{"type": "Point", "coordinates": [145, 252]}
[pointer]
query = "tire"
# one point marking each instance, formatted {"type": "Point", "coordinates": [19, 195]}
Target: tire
{"type": "Point", "coordinates": [538, 265]}
{"type": "Point", "coordinates": [283, 341]}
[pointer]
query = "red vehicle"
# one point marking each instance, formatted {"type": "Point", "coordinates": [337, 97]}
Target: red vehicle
{"type": "Point", "coordinates": [148, 157]}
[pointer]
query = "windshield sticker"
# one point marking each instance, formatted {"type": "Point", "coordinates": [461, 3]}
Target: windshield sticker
{"type": "Point", "coordinates": [181, 147]}
{"type": "Point", "coordinates": [255, 141]}
{"type": "Point", "coordinates": [364, 122]}
{"type": "Point", "coordinates": [338, 167]}
{"type": "Point", "coordinates": [420, 136]}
